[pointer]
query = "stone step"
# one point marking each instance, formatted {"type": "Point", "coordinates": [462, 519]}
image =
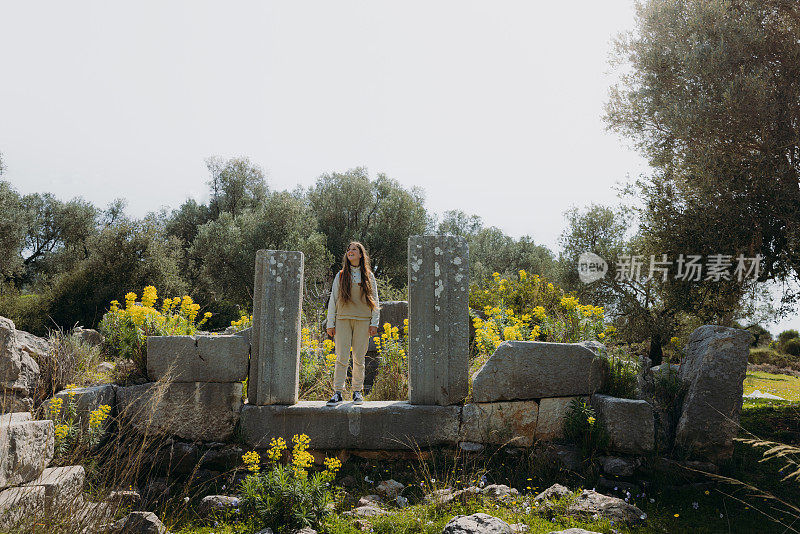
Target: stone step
{"type": "Point", "coordinates": [21, 507]}
{"type": "Point", "coordinates": [63, 487]}
{"type": "Point", "coordinates": [26, 447]}
{"type": "Point", "coordinates": [380, 425]}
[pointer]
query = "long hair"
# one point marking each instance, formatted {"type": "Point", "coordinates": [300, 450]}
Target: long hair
{"type": "Point", "coordinates": [345, 280]}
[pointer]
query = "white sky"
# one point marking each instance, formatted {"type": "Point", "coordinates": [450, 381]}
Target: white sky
{"type": "Point", "coordinates": [492, 107]}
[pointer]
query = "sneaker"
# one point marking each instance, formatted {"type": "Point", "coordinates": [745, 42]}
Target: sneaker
{"type": "Point", "coordinates": [357, 398]}
{"type": "Point", "coordinates": [336, 399]}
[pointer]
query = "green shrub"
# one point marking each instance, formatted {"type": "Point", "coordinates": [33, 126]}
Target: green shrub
{"type": "Point", "coordinates": [622, 378]}
{"type": "Point", "coordinates": [786, 335]}
{"type": "Point", "coordinates": [792, 346]}
{"type": "Point", "coordinates": [69, 360]}
{"type": "Point", "coordinates": [582, 427]}
{"type": "Point", "coordinates": [769, 356]}
{"type": "Point", "coordinates": [286, 498]}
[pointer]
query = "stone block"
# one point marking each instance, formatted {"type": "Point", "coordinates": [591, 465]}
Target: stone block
{"type": "Point", "coordinates": [552, 411]}
{"type": "Point", "coordinates": [26, 447]}
{"type": "Point", "coordinates": [89, 399]}
{"type": "Point", "coordinates": [19, 372]}
{"type": "Point", "coordinates": [630, 423]}
{"type": "Point", "coordinates": [713, 373]}
{"type": "Point", "coordinates": [195, 411]}
{"type": "Point", "coordinates": [522, 370]}
{"type": "Point", "coordinates": [373, 425]}
{"type": "Point", "coordinates": [438, 319]}
{"type": "Point", "coordinates": [275, 338]}
{"type": "Point", "coordinates": [21, 507]}
{"type": "Point", "coordinates": [500, 423]}
{"type": "Point", "coordinates": [63, 488]}
{"type": "Point", "coordinates": [11, 402]}
{"type": "Point", "coordinates": [198, 358]}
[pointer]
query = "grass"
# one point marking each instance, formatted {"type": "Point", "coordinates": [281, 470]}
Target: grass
{"type": "Point", "coordinates": [784, 386]}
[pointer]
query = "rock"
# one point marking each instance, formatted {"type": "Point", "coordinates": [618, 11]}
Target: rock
{"type": "Point", "coordinates": [401, 501]}
{"type": "Point", "coordinates": [26, 447]}
{"type": "Point", "coordinates": [553, 493]}
{"type": "Point", "coordinates": [88, 399]}
{"type": "Point", "coordinates": [12, 402]}
{"type": "Point", "coordinates": [305, 530]}
{"type": "Point", "coordinates": [197, 358]}
{"type": "Point", "coordinates": [565, 456]}
{"type": "Point", "coordinates": [522, 370]}
{"type": "Point", "coordinates": [447, 495]}
{"type": "Point", "coordinates": [438, 319]}
{"type": "Point", "coordinates": [19, 372]}
{"type": "Point", "coordinates": [157, 489]}
{"type": "Point", "coordinates": [63, 488]}
{"type": "Point", "coordinates": [519, 528]}
{"type": "Point", "coordinates": [390, 488]}
{"type": "Point", "coordinates": [217, 503]}
{"type": "Point", "coordinates": [177, 458]}
{"type": "Point", "coordinates": [629, 423]}
{"type": "Point", "coordinates": [223, 459]}
{"type": "Point", "coordinates": [275, 338]}
{"type": "Point", "coordinates": [500, 423]}
{"type": "Point", "coordinates": [21, 507]}
{"type": "Point", "coordinates": [619, 486]}
{"type": "Point", "coordinates": [619, 467]}
{"type": "Point", "coordinates": [140, 523]}
{"type": "Point", "coordinates": [369, 510]}
{"type": "Point", "coordinates": [499, 491]}
{"type": "Point", "coordinates": [573, 531]}
{"type": "Point", "coordinates": [106, 368]}
{"type": "Point", "coordinates": [124, 499]}
{"type": "Point", "coordinates": [374, 425]}
{"type": "Point", "coordinates": [265, 531]}
{"type": "Point", "coordinates": [369, 500]}
{"type": "Point", "coordinates": [468, 446]}
{"type": "Point", "coordinates": [14, 417]}
{"type": "Point", "coordinates": [477, 524]}
{"type": "Point", "coordinates": [36, 347]}
{"type": "Point", "coordinates": [552, 411]}
{"type": "Point", "coordinates": [90, 336]}
{"type": "Point", "coordinates": [590, 502]}
{"type": "Point", "coordinates": [192, 411]}
{"type": "Point", "coordinates": [714, 369]}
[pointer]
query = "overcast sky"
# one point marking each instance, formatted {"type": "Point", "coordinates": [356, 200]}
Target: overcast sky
{"type": "Point", "coordinates": [492, 107]}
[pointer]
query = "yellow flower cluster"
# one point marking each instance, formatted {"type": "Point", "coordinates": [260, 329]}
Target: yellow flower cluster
{"type": "Point", "coordinates": [62, 431]}
{"type": "Point", "coordinates": [251, 460]}
{"type": "Point", "coordinates": [245, 321]}
{"type": "Point", "coordinates": [276, 448]}
{"type": "Point", "coordinates": [328, 347]}
{"type": "Point", "coordinates": [301, 458]}
{"type": "Point", "coordinates": [177, 315]}
{"type": "Point", "coordinates": [569, 303]}
{"type": "Point", "coordinates": [55, 407]}
{"type": "Point", "coordinates": [98, 417]}
{"type": "Point", "coordinates": [332, 465]}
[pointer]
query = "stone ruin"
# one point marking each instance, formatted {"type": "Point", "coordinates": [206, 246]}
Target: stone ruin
{"type": "Point", "coordinates": [520, 396]}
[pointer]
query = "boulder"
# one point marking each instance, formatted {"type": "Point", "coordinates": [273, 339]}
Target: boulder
{"type": "Point", "coordinates": [368, 510]}
{"type": "Point", "coordinates": [553, 493]}
{"type": "Point", "coordinates": [217, 503]}
{"type": "Point", "coordinates": [193, 411]}
{"type": "Point", "coordinates": [477, 524]}
{"type": "Point", "coordinates": [36, 347]}
{"type": "Point", "coordinates": [89, 399]}
{"type": "Point", "coordinates": [198, 358]}
{"type": "Point", "coordinates": [500, 423]}
{"type": "Point", "coordinates": [523, 370]}
{"type": "Point", "coordinates": [139, 523]}
{"type": "Point", "coordinates": [26, 447]}
{"type": "Point", "coordinates": [552, 411]}
{"type": "Point", "coordinates": [124, 499]}
{"type": "Point", "coordinates": [499, 491]}
{"type": "Point", "coordinates": [90, 336]}
{"type": "Point", "coordinates": [573, 531]}
{"type": "Point", "coordinates": [714, 372]}
{"type": "Point", "coordinates": [63, 488]}
{"type": "Point", "coordinates": [11, 402]}
{"type": "Point", "coordinates": [619, 467]}
{"type": "Point", "coordinates": [222, 459]}
{"type": "Point", "coordinates": [630, 423]}
{"type": "Point", "coordinates": [378, 425]}
{"type": "Point", "coordinates": [390, 488]}
{"type": "Point", "coordinates": [590, 503]}
{"type": "Point", "coordinates": [21, 507]}
{"type": "Point", "coordinates": [19, 372]}
{"type": "Point", "coordinates": [177, 457]}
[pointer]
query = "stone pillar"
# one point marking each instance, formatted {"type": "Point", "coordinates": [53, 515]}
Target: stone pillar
{"type": "Point", "coordinates": [275, 338]}
{"type": "Point", "coordinates": [438, 319]}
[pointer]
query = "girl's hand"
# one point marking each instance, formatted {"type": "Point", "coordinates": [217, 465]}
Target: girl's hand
{"type": "Point", "coordinates": [331, 331]}
{"type": "Point", "coordinates": [373, 331]}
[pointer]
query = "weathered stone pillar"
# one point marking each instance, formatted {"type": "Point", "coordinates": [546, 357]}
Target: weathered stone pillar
{"type": "Point", "coordinates": [275, 338]}
{"type": "Point", "coordinates": [438, 319]}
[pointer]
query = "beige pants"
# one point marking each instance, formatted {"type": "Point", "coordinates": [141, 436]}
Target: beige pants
{"type": "Point", "coordinates": [350, 333]}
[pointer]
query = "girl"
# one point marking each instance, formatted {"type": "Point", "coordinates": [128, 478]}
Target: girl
{"type": "Point", "coordinates": [353, 315]}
